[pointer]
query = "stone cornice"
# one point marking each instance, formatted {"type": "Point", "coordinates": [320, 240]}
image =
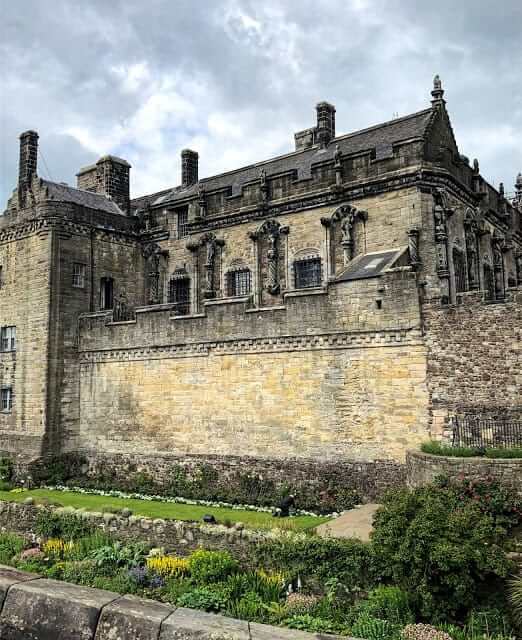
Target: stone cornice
{"type": "Point", "coordinates": [304, 342]}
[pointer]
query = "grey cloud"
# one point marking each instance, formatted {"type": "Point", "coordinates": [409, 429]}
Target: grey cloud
{"type": "Point", "coordinates": [263, 65]}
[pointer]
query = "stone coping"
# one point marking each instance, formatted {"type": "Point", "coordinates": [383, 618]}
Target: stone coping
{"type": "Point", "coordinates": [460, 459]}
{"type": "Point", "coordinates": [38, 608]}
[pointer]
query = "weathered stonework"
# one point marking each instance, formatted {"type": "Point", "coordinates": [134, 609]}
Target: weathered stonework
{"type": "Point", "coordinates": [328, 307]}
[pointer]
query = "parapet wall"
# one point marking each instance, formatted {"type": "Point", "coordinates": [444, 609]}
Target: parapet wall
{"type": "Point", "coordinates": [423, 468]}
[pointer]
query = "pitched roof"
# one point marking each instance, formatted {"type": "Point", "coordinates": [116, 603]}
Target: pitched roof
{"type": "Point", "coordinates": [380, 136]}
{"type": "Point", "coordinates": [65, 193]}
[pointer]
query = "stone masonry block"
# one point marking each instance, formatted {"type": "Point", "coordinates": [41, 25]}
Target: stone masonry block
{"type": "Point", "coordinates": [132, 617]}
{"type": "Point", "coordinates": [10, 577]}
{"type": "Point", "coordinates": [51, 610]}
{"type": "Point", "coordinates": [186, 624]}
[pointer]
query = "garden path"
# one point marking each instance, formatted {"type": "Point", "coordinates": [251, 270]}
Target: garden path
{"type": "Point", "coordinates": [355, 523]}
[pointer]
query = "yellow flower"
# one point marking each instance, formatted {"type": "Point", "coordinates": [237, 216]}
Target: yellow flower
{"type": "Point", "coordinates": [57, 547]}
{"type": "Point", "coordinates": [168, 566]}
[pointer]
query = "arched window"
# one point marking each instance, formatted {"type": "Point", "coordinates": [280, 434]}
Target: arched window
{"type": "Point", "coordinates": [106, 293]}
{"type": "Point", "coordinates": [239, 282]}
{"type": "Point", "coordinates": [179, 292]}
{"type": "Point", "coordinates": [459, 269]}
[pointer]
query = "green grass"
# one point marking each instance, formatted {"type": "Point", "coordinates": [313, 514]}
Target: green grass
{"type": "Point", "coordinates": [166, 510]}
{"type": "Point", "coordinates": [439, 449]}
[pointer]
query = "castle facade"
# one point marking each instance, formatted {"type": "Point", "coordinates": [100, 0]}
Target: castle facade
{"type": "Point", "coordinates": [325, 309]}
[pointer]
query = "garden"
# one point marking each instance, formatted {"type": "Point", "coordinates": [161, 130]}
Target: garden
{"type": "Point", "coordinates": [441, 449]}
{"type": "Point", "coordinates": [437, 568]}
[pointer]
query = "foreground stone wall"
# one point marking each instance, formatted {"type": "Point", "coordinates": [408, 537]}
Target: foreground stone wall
{"type": "Point", "coordinates": [33, 608]}
{"type": "Point", "coordinates": [423, 468]}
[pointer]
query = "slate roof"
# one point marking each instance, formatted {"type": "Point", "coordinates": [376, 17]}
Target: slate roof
{"type": "Point", "coordinates": [65, 193]}
{"type": "Point", "coordinates": [381, 136]}
{"type": "Point", "coordinates": [370, 265]}
{"type": "Point", "coordinates": [142, 201]}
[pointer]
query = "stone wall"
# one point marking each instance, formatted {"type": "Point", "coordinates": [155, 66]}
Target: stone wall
{"type": "Point", "coordinates": [328, 376]}
{"type": "Point", "coordinates": [423, 468]}
{"type": "Point", "coordinates": [474, 358]}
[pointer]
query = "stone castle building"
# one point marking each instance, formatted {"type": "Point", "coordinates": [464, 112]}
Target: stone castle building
{"type": "Point", "coordinates": [330, 307]}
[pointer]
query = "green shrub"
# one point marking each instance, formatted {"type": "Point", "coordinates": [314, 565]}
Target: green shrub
{"type": "Point", "coordinates": [117, 554]}
{"type": "Point", "coordinates": [249, 607]}
{"type": "Point", "coordinates": [211, 566]}
{"type": "Point", "coordinates": [440, 449]}
{"type": "Point", "coordinates": [6, 471]}
{"type": "Point", "coordinates": [371, 628]}
{"type": "Point", "coordinates": [83, 547]}
{"type": "Point", "coordinates": [120, 582]}
{"type": "Point", "coordinates": [211, 598]}
{"type": "Point", "coordinates": [175, 588]}
{"type": "Point", "coordinates": [514, 452]}
{"type": "Point", "coordinates": [388, 603]}
{"type": "Point", "coordinates": [307, 622]}
{"type": "Point", "coordinates": [68, 526]}
{"type": "Point", "coordinates": [317, 560]}
{"type": "Point", "coordinates": [445, 544]}
{"type": "Point", "coordinates": [10, 546]}
{"type": "Point", "coordinates": [56, 470]}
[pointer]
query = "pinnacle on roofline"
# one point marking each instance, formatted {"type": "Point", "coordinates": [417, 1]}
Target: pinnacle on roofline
{"type": "Point", "coordinates": [437, 92]}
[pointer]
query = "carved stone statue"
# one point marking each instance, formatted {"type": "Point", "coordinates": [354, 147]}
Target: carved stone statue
{"type": "Point", "coordinates": [121, 311]}
{"type": "Point", "coordinates": [347, 237]}
{"type": "Point", "coordinates": [272, 284]}
{"type": "Point", "coordinates": [263, 186]}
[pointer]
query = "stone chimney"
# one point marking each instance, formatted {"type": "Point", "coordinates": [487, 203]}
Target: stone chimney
{"type": "Point", "coordinates": [110, 177]}
{"type": "Point", "coordinates": [28, 163]}
{"type": "Point", "coordinates": [189, 167]}
{"type": "Point", "coordinates": [325, 123]}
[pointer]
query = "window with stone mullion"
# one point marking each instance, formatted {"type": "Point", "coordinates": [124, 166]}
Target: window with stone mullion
{"type": "Point", "coordinates": [307, 273]}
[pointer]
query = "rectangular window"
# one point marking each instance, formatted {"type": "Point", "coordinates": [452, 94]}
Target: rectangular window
{"type": "Point", "coordinates": [8, 339]}
{"type": "Point", "coordinates": [179, 295]}
{"type": "Point", "coordinates": [182, 223]}
{"type": "Point", "coordinates": [307, 273]}
{"type": "Point", "coordinates": [238, 282]}
{"type": "Point", "coordinates": [6, 399]}
{"type": "Point", "coordinates": [78, 276]}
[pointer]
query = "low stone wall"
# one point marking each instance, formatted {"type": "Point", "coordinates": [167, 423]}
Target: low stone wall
{"type": "Point", "coordinates": [422, 468]}
{"type": "Point", "coordinates": [33, 608]}
{"type": "Point", "coordinates": [317, 484]}
{"type": "Point", "coordinates": [176, 536]}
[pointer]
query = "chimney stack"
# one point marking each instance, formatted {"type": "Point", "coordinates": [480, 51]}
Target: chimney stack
{"type": "Point", "coordinates": [28, 158]}
{"type": "Point", "coordinates": [189, 167]}
{"type": "Point", "coordinates": [109, 176]}
{"type": "Point", "coordinates": [325, 123]}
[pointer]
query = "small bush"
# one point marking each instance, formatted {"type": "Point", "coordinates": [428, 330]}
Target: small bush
{"type": "Point", "coordinates": [307, 622]}
{"type": "Point", "coordinates": [62, 525]}
{"type": "Point", "coordinates": [205, 598]}
{"type": "Point", "coordinates": [57, 548]}
{"type": "Point", "coordinates": [6, 471]}
{"type": "Point", "coordinates": [318, 560]}
{"type": "Point", "coordinates": [514, 452]}
{"type": "Point", "coordinates": [10, 546]}
{"type": "Point", "coordinates": [388, 603]}
{"type": "Point", "coordinates": [211, 566]}
{"type": "Point", "coordinates": [371, 628]}
{"type": "Point", "coordinates": [119, 555]}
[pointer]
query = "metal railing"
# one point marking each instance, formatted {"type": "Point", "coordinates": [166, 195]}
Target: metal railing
{"type": "Point", "coordinates": [476, 432]}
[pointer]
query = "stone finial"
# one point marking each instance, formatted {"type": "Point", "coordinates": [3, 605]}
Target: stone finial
{"type": "Point", "coordinates": [438, 91]}
{"type": "Point", "coordinates": [476, 166]}
{"type": "Point", "coordinates": [518, 183]}
{"type": "Point", "coordinates": [501, 191]}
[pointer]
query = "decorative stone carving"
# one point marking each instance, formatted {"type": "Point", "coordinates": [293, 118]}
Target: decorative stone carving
{"type": "Point", "coordinates": [338, 166]}
{"type": "Point", "coordinates": [263, 185]}
{"type": "Point", "coordinates": [202, 202]}
{"type": "Point", "coordinates": [211, 243]}
{"type": "Point", "coordinates": [347, 216]}
{"type": "Point", "coordinates": [472, 249]}
{"type": "Point", "coordinates": [153, 255]}
{"type": "Point", "coordinates": [413, 246]}
{"type": "Point", "coordinates": [498, 267]}
{"type": "Point", "coordinates": [273, 232]}
{"type": "Point", "coordinates": [121, 311]}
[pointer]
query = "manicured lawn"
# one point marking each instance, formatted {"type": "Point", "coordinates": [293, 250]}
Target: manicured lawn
{"type": "Point", "coordinates": [166, 510]}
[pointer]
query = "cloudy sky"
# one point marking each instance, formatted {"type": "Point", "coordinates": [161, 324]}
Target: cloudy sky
{"type": "Point", "coordinates": [234, 79]}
